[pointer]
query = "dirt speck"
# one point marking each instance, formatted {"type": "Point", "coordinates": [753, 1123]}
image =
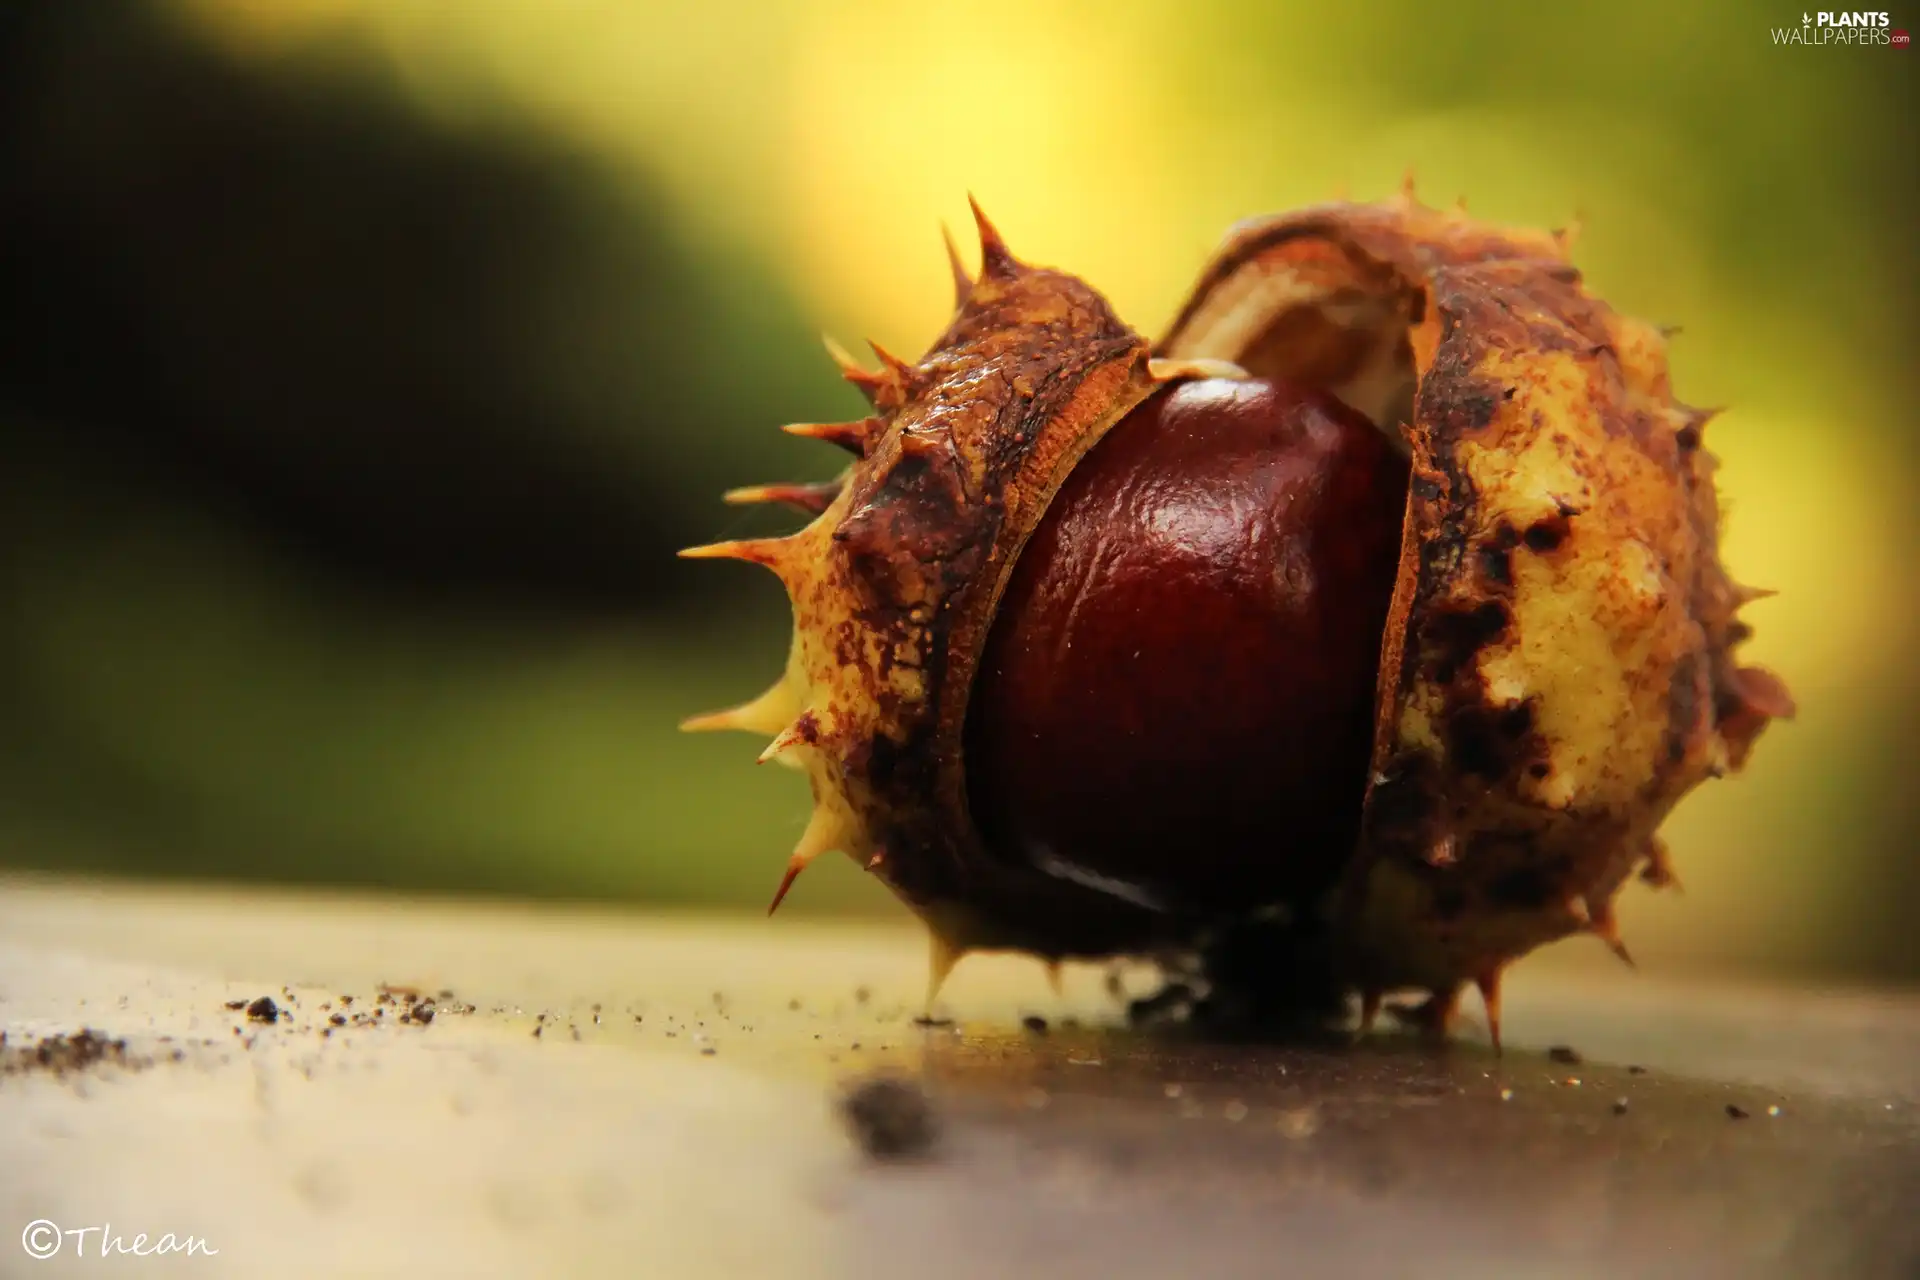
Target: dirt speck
{"type": "Point", "coordinates": [264, 1010]}
{"type": "Point", "coordinates": [75, 1051]}
{"type": "Point", "coordinates": [236, 1005]}
{"type": "Point", "coordinates": [1565, 1053]}
{"type": "Point", "coordinates": [1737, 1112]}
{"type": "Point", "coordinates": [890, 1117]}
{"type": "Point", "coordinates": [1619, 1106]}
{"type": "Point", "coordinates": [1035, 1023]}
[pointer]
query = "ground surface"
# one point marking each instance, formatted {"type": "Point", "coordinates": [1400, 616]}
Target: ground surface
{"type": "Point", "coordinates": [615, 1095]}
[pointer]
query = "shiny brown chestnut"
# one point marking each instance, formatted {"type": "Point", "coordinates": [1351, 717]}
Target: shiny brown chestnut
{"type": "Point", "coordinates": [1379, 598]}
{"type": "Point", "coordinates": [1177, 691]}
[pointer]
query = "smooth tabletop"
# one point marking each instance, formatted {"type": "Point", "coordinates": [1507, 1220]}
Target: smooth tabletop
{"type": "Point", "coordinates": [610, 1093]}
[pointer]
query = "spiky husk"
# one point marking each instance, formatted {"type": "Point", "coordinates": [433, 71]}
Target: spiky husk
{"type": "Point", "coordinates": [1559, 663]}
{"type": "Point", "coordinates": [1558, 667]}
{"type": "Point", "coordinates": [893, 588]}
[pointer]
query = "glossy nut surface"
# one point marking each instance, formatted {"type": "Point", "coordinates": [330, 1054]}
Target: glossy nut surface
{"type": "Point", "coordinates": [1176, 697]}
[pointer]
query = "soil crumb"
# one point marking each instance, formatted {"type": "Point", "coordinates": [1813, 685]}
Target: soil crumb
{"type": "Point", "coordinates": [890, 1117]}
{"type": "Point", "coordinates": [264, 1010]}
{"type": "Point", "coordinates": [75, 1051]}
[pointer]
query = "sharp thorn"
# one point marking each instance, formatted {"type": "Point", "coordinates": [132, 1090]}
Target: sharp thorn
{"type": "Point", "coordinates": [942, 955]}
{"type": "Point", "coordinates": [794, 868]}
{"type": "Point", "coordinates": [824, 832]}
{"type": "Point", "coordinates": [890, 360]}
{"type": "Point", "coordinates": [854, 437]}
{"type": "Point", "coordinates": [840, 355]}
{"type": "Point", "coordinates": [714, 721]}
{"type": "Point", "coordinates": [810, 498]}
{"type": "Point", "coordinates": [897, 371]}
{"type": "Point", "coordinates": [1407, 187]}
{"type": "Point", "coordinates": [1054, 979]}
{"type": "Point", "coordinates": [1747, 595]}
{"type": "Point", "coordinates": [867, 382]}
{"type": "Point", "coordinates": [765, 714]}
{"type": "Point", "coordinates": [803, 732]}
{"type": "Point", "coordinates": [1489, 984]}
{"type": "Point", "coordinates": [1606, 927]}
{"type": "Point", "coordinates": [996, 260]}
{"type": "Point", "coordinates": [769, 553]}
{"type": "Point", "coordinates": [962, 282]}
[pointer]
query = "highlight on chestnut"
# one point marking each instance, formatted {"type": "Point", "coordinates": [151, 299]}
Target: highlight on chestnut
{"type": "Point", "coordinates": [1353, 638]}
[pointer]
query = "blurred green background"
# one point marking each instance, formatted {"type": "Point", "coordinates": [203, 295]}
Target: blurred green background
{"type": "Point", "coordinates": [368, 359]}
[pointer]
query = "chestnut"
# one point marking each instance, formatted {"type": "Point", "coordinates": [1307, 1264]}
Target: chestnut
{"type": "Point", "coordinates": [1378, 601]}
{"type": "Point", "coordinates": [1176, 694]}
